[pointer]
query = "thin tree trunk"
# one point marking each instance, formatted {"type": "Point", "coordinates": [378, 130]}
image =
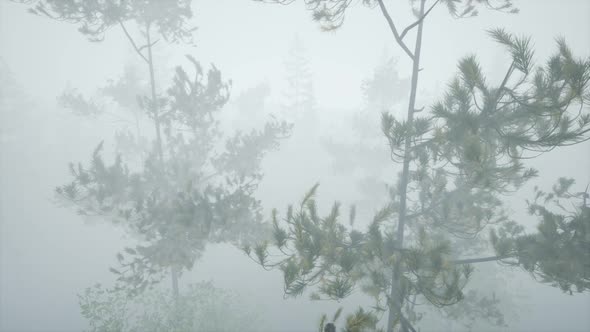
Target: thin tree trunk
{"type": "Point", "coordinates": [174, 274]}
{"type": "Point", "coordinates": [396, 295]}
{"type": "Point", "coordinates": [156, 114]}
{"type": "Point", "coordinates": [155, 109]}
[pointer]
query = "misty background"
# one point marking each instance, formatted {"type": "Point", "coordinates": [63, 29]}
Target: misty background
{"type": "Point", "coordinates": [48, 254]}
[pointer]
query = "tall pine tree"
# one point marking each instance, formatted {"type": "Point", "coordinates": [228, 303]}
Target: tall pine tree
{"type": "Point", "coordinates": [195, 184]}
{"type": "Point", "coordinates": [299, 95]}
{"type": "Point", "coordinates": [457, 162]}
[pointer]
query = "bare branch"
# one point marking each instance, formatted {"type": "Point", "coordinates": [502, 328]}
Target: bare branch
{"type": "Point", "coordinates": [478, 260]}
{"type": "Point", "coordinates": [132, 42]}
{"type": "Point", "coordinates": [148, 45]}
{"type": "Point", "coordinates": [394, 29]}
{"type": "Point", "coordinates": [504, 81]}
{"type": "Point", "coordinates": [411, 26]}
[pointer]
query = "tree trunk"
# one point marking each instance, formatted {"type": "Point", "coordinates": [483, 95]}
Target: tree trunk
{"type": "Point", "coordinates": [396, 296]}
{"type": "Point", "coordinates": [155, 109]}
{"type": "Point", "coordinates": [174, 275]}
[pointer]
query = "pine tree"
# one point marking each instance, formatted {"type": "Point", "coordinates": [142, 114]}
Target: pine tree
{"type": "Point", "coordinates": [457, 162]}
{"type": "Point", "coordinates": [385, 88]}
{"type": "Point", "coordinates": [13, 105]}
{"type": "Point", "coordinates": [299, 95]}
{"type": "Point", "coordinates": [195, 185]}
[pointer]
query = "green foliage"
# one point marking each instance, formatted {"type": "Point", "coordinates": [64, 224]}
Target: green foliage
{"type": "Point", "coordinates": [359, 321]}
{"type": "Point", "coordinates": [199, 193]}
{"type": "Point", "coordinates": [201, 308]}
{"type": "Point", "coordinates": [74, 100]}
{"type": "Point", "coordinates": [330, 14]}
{"type": "Point", "coordinates": [384, 88]}
{"type": "Point", "coordinates": [104, 309]}
{"type": "Point", "coordinates": [519, 47]}
{"type": "Point", "coordinates": [458, 160]}
{"type": "Point", "coordinates": [95, 17]}
{"type": "Point", "coordinates": [559, 252]}
{"type": "Point", "coordinates": [194, 184]}
{"type": "Point", "coordinates": [193, 100]}
{"type": "Point", "coordinates": [463, 157]}
{"type": "Point", "coordinates": [125, 89]}
{"type": "Point", "coordinates": [323, 252]}
{"type": "Point", "coordinates": [471, 148]}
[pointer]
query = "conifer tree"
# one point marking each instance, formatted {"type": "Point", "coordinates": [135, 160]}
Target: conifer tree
{"type": "Point", "coordinates": [299, 95]}
{"type": "Point", "coordinates": [384, 88]}
{"type": "Point", "coordinates": [195, 185]}
{"type": "Point", "coordinates": [13, 105]}
{"type": "Point", "coordinates": [457, 162]}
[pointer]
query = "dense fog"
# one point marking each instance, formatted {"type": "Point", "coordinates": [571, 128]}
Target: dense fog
{"type": "Point", "coordinates": [144, 146]}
